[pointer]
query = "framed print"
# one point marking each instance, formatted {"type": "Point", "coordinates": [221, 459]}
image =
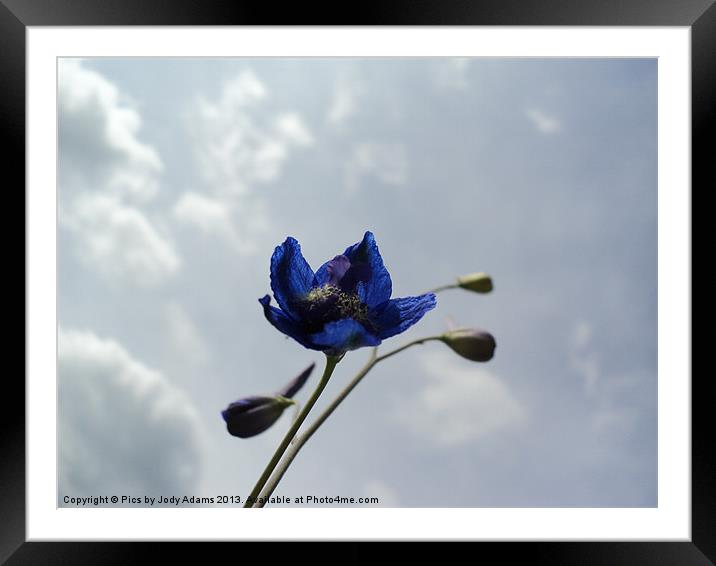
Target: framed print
{"type": "Point", "coordinates": [231, 224]}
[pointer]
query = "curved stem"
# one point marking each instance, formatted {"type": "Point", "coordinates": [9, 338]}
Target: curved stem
{"type": "Point", "coordinates": [331, 362]}
{"type": "Point", "coordinates": [300, 440]}
{"type": "Point", "coordinates": [405, 347]}
{"type": "Point", "coordinates": [443, 288]}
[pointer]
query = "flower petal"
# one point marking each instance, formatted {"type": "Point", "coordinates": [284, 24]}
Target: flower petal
{"type": "Point", "coordinates": [378, 287]}
{"type": "Point", "coordinates": [291, 276]}
{"type": "Point", "coordinates": [401, 314]}
{"type": "Point", "coordinates": [343, 335]}
{"type": "Point", "coordinates": [331, 272]}
{"type": "Point", "coordinates": [252, 415]}
{"type": "Point", "coordinates": [284, 323]}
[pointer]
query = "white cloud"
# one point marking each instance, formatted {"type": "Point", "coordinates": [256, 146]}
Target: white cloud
{"type": "Point", "coordinates": [186, 340]}
{"type": "Point", "coordinates": [211, 216]}
{"type": "Point", "coordinates": [104, 172]}
{"type": "Point", "coordinates": [243, 90]}
{"type": "Point", "coordinates": [123, 428]}
{"type": "Point", "coordinates": [234, 220]}
{"type": "Point", "coordinates": [344, 102]}
{"type": "Point", "coordinates": [237, 143]}
{"type": "Point", "coordinates": [544, 122]}
{"type": "Point", "coordinates": [291, 128]}
{"type": "Point", "coordinates": [98, 137]}
{"type": "Point", "coordinates": [460, 403]}
{"type": "Point", "coordinates": [452, 74]}
{"type": "Point", "coordinates": [388, 162]}
{"type": "Point", "coordinates": [118, 241]}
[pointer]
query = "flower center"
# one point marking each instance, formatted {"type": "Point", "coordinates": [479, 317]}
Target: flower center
{"type": "Point", "coordinates": [349, 305]}
{"type": "Point", "coordinates": [329, 303]}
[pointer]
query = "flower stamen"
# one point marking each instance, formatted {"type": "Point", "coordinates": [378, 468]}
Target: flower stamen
{"type": "Point", "coordinates": [331, 303]}
{"type": "Point", "coordinates": [350, 305]}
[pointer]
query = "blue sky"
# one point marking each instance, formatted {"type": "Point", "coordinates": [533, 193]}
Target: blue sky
{"type": "Point", "coordinates": [178, 177]}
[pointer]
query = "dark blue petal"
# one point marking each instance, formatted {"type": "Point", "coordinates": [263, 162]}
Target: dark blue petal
{"type": "Point", "coordinates": [252, 415]}
{"type": "Point", "coordinates": [355, 277]}
{"type": "Point", "coordinates": [401, 314]}
{"type": "Point", "coordinates": [291, 276]}
{"type": "Point", "coordinates": [375, 287]}
{"type": "Point", "coordinates": [294, 386]}
{"type": "Point", "coordinates": [343, 335]}
{"type": "Point", "coordinates": [285, 324]}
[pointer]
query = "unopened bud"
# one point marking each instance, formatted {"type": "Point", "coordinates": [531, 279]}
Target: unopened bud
{"type": "Point", "coordinates": [476, 282]}
{"type": "Point", "coordinates": [252, 415]}
{"type": "Point", "coordinates": [471, 343]}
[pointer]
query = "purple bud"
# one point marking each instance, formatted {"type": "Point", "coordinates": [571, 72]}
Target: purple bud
{"type": "Point", "coordinates": [252, 415]}
{"type": "Point", "coordinates": [471, 343]}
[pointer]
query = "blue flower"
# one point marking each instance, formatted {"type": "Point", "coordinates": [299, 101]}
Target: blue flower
{"type": "Point", "coordinates": [344, 305]}
{"type": "Point", "coordinates": [252, 415]}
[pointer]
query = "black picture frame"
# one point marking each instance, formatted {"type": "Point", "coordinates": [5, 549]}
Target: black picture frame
{"type": "Point", "coordinates": [17, 15]}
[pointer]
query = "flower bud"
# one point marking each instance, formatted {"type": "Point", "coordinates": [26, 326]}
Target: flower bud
{"type": "Point", "coordinates": [471, 343]}
{"type": "Point", "coordinates": [476, 282]}
{"type": "Point", "coordinates": [252, 415]}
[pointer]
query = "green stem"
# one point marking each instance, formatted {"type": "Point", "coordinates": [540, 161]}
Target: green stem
{"type": "Point", "coordinates": [443, 288]}
{"type": "Point", "coordinates": [300, 440]}
{"type": "Point", "coordinates": [331, 362]}
{"type": "Point", "coordinates": [405, 347]}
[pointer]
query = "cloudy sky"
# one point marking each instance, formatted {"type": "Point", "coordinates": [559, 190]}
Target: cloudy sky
{"type": "Point", "coordinates": [178, 177]}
